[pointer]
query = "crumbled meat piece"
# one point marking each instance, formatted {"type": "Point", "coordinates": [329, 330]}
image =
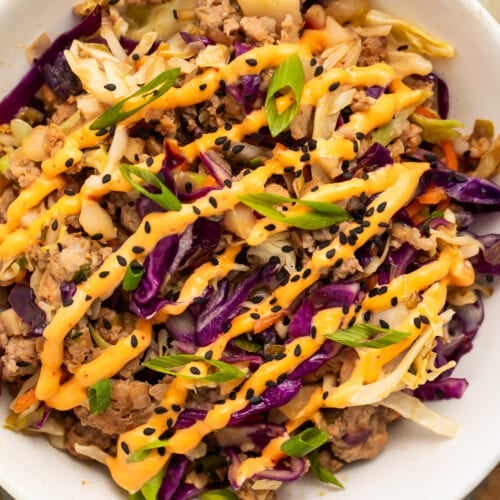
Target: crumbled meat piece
{"type": "Point", "coordinates": [260, 29]}
{"type": "Point", "coordinates": [328, 461]}
{"type": "Point", "coordinates": [53, 140]}
{"type": "Point", "coordinates": [246, 492]}
{"type": "Point", "coordinates": [358, 432]}
{"type": "Point", "coordinates": [63, 111]}
{"type": "Point", "coordinates": [112, 327]}
{"type": "Point", "coordinates": [479, 146]}
{"type": "Point", "coordinates": [217, 18]}
{"type": "Point", "coordinates": [350, 266]}
{"type": "Point", "coordinates": [130, 407]}
{"type": "Point", "coordinates": [290, 30]}
{"type": "Point", "coordinates": [7, 196]}
{"type": "Point", "coordinates": [402, 233]}
{"type": "Point", "coordinates": [87, 436]}
{"type": "Point", "coordinates": [373, 50]}
{"type": "Point", "coordinates": [78, 347]}
{"type": "Point", "coordinates": [411, 137]}
{"type": "Point", "coordinates": [340, 367]}
{"type": "Point", "coordinates": [22, 170]}
{"type": "Point", "coordinates": [361, 102]}
{"type": "Point", "coordinates": [19, 358]}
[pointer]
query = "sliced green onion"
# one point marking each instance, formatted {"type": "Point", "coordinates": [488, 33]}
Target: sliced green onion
{"type": "Point", "coordinates": [163, 364]}
{"type": "Point", "coordinates": [140, 454]}
{"type": "Point", "coordinates": [219, 495]}
{"type": "Point", "coordinates": [4, 164]}
{"type": "Point", "coordinates": [305, 442]}
{"type": "Point", "coordinates": [359, 336]}
{"type": "Point", "coordinates": [323, 214]}
{"type": "Point", "coordinates": [289, 75]}
{"type": "Point", "coordinates": [165, 198]}
{"type": "Point", "coordinates": [434, 215]}
{"type": "Point", "coordinates": [133, 276]}
{"type": "Point", "coordinates": [435, 130]}
{"type": "Point", "coordinates": [151, 489]}
{"type": "Point", "coordinates": [81, 275]}
{"type": "Point", "coordinates": [149, 93]}
{"type": "Point", "coordinates": [247, 345]}
{"type": "Point", "coordinates": [322, 473]}
{"type": "Point", "coordinates": [97, 338]}
{"type": "Point", "coordinates": [99, 396]}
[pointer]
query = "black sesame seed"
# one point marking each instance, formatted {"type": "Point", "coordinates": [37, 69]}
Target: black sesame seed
{"type": "Point", "coordinates": [174, 13]}
{"type": "Point", "coordinates": [281, 378]}
{"type": "Point", "coordinates": [110, 87]}
{"type": "Point", "coordinates": [232, 395]}
{"type": "Point", "coordinates": [355, 146]}
{"type": "Point", "coordinates": [424, 319]}
{"type": "Point", "coordinates": [270, 227]}
{"type": "Point", "coordinates": [333, 229]}
{"type": "Point", "coordinates": [306, 274]}
{"type": "Point", "coordinates": [295, 278]}
{"type": "Point", "coordinates": [227, 327]}
{"type": "Point", "coordinates": [160, 410]}
{"type": "Point", "coordinates": [367, 315]}
{"type": "Point", "coordinates": [149, 161]}
{"type": "Point", "coordinates": [176, 408]}
{"type": "Point", "coordinates": [196, 210]}
{"type": "Point", "coordinates": [351, 239]}
{"type": "Point", "coordinates": [209, 355]}
{"type": "Point", "coordinates": [394, 301]}
{"type": "Point", "coordinates": [325, 395]}
{"type": "Point", "coordinates": [383, 324]}
{"type": "Point", "coordinates": [219, 141]}
{"type": "Point", "coordinates": [373, 292]}
{"type": "Point", "coordinates": [331, 253]}
{"type": "Point", "coordinates": [101, 132]}
{"type": "Point", "coordinates": [125, 447]}
{"type": "Point", "coordinates": [275, 309]}
{"type": "Point", "coordinates": [67, 302]}
{"type": "Point", "coordinates": [381, 207]}
{"type": "Point", "coordinates": [250, 392]}
{"type": "Point", "coordinates": [137, 249]}
{"type": "Point", "coordinates": [417, 322]}
{"type": "Point", "coordinates": [338, 262]}
{"type": "Point", "coordinates": [257, 299]}
{"type": "Point", "coordinates": [147, 227]}
{"type": "Point", "coordinates": [135, 56]}
{"type": "Point", "coordinates": [251, 62]}
{"type": "Point", "coordinates": [255, 400]}
{"type": "Point", "coordinates": [203, 86]}
{"type": "Point", "coordinates": [297, 174]}
{"type": "Point", "coordinates": [351, 322]}
{"type": "Point", "coordinates": [313, 61]}
{"type": "Point", "coordinates": [226, 145]}
{"type": "Point", "coordinates": [370, 212]}
{"type": "Point", "coordinates": [220, 108]}
{"type": "Point", "coordinates": [280, 356]}
{"type": "Point", "coordinates": [54, 225]}
{"type": "Point", "coordinates": [88, 297]}
{"type": "Point", "coordinates": [255, 315]}
{"type": "Point", "coordinates": [383, 224]}
{"type": "Point", "coordinates": [318, 71]}
{"type": "Point", "coordinates": [227, 126]}
{"type": "Point", "coordinates": [103, 274]}
{"type": "Point", "coordinates": [297, 351]}
{"type": "Point", "coordinates": [97, 236]}
{"type": "Point", "coordinates": [228, 183]}
{"type": "Point", "coordinates": [270, 383]}
{"type": "Point", "coordinates": [287, 248]}
{"type": "Point", "coordinates": [106, 324]}
{"type": "Point", "coordinates": [106, 178]}
{"type": "Point", "coordinates": [121, 260]}
{"type": "Point", "coordinates": [289, 169]}
{"type": "Point", "coordinates": [314, 332]}
{"type": "Point", "coordinates": [334, 86]}
{"type": "Point", "coordinates": [360, 136]}
{"type": "Point", "coordinates": [345, 309]}
{"type": "Point", "coordinates": [69, 163]}
{"type": "Point", "coordinates": [402, 47]}
{"type": "Point", "coordinates": [133, 341]}
{"type": "Point", "coordinates": [69, 192]}
{"type": "Point", "coordinates": [170, 423]}
{"type": "Point", "coordinates": [342, 238]}
{"type": "Point", "coordinates": [489, 278]}
{"type": "Point", "coordinates": [212, 201]}
{"type": "Point", "coordinates": [148, 431]}
{"type": "Point", "coordinates": [195, 370]}
{"type": "Point", "coordinates": [305, 157]}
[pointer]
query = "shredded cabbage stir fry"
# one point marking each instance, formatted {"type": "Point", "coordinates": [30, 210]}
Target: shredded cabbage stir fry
{"type": "Point", "coordinates": [235, 241]}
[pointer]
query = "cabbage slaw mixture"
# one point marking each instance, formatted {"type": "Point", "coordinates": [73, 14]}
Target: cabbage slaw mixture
{"type": "Point", "coordinates": [236, 241]}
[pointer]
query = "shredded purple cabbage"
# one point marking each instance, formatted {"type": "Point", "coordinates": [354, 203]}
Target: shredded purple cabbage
{"type": "Point", "coordinates": [288, 470]}
{"type": "Point", "coordinates": [396, 263]}
{"type": "Point", "coordinates": [376, 156]}
{"type": "Point", "coordinates": [22, 299]}
{"type": "Point", "coordinates": [488, 260]}
{"type": "Point", "coordinates": [61, 79]}
{"type": "Point", "coordinates": [174, 478]}
{"type": "Point", "coordinates": [68, 290]}
{"type": "Point", "coordinates": [449, 388]}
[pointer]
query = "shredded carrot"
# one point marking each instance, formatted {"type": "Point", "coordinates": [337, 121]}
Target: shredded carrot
{"type": "Point", "coordinates": [427, 112]}
{"type": "Point", "coordinates": [450, 155]}
{"type": "Point", "coordinates": [432, 196]}
{"type": "Point", "coordinates": [371, 281]}
{"type": "Point", "coordinates": [24, 401]}
{"type": "Point", "coordinates": [267, 321]}
{"type": "Point", "coordinates": [443, 205]}
{"type": "Point", "coordinates": [413, 208]}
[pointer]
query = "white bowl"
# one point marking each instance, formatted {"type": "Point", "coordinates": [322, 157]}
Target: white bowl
{"type": "Point", "coordinates": [415, 464]}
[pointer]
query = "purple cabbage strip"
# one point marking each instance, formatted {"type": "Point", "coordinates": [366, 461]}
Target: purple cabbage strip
{"type": "Point", "coordinates": [33, 80]}
{"type": "Point", "coordinates": [440, 91]}
{"type": "Point", "coordinates": [283, 472]}
{"type": "Point", "coordinates": [174, 477]}
{"type": "Point", "coordinates": [376, 156]}
{"type": "Point", "coordinates": [300, 326]}
{"type": "Point", "coordinates": [182, 327]}
{"type": "Point", "coordinates": [68, 290]}
{"type": "Point", "coordinates": [61, 79]}
{"type": "Point", "coordinates": [356, 438]}
{"type": "Point", "coordinates": [463, 189]}
{"type": "Point", "coordinates": [234, 464]}
{"type": "Point", "coordinates": [189, 417]}
{"type": "Point", "coordinates": [488, 260]}
{"type": "Point", "coordinates": [22, 299]}
{"type": "Point", "coordinates": [375, 91]}
{"type": "Point", "coordinates": [241, 48]}
{"type": "Point", "coordinates": [46, 414]}
{"type": "Point", "coordinates": [221, 308]}
{"type": "Point", "coordinates": [449, 388]}
{"type": "Point", "coordinates": [217, 171]}
{"type": "Point", "coordinates": [247, 91]}
{"type": "Point", "coordinates": [396, 263]}
{"type": "Point", "coordinates": [189, 38]}
{"type": "Point", "coordinates": [273, 397]}
{"type": "Point", "coordinates": [327, 351]}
